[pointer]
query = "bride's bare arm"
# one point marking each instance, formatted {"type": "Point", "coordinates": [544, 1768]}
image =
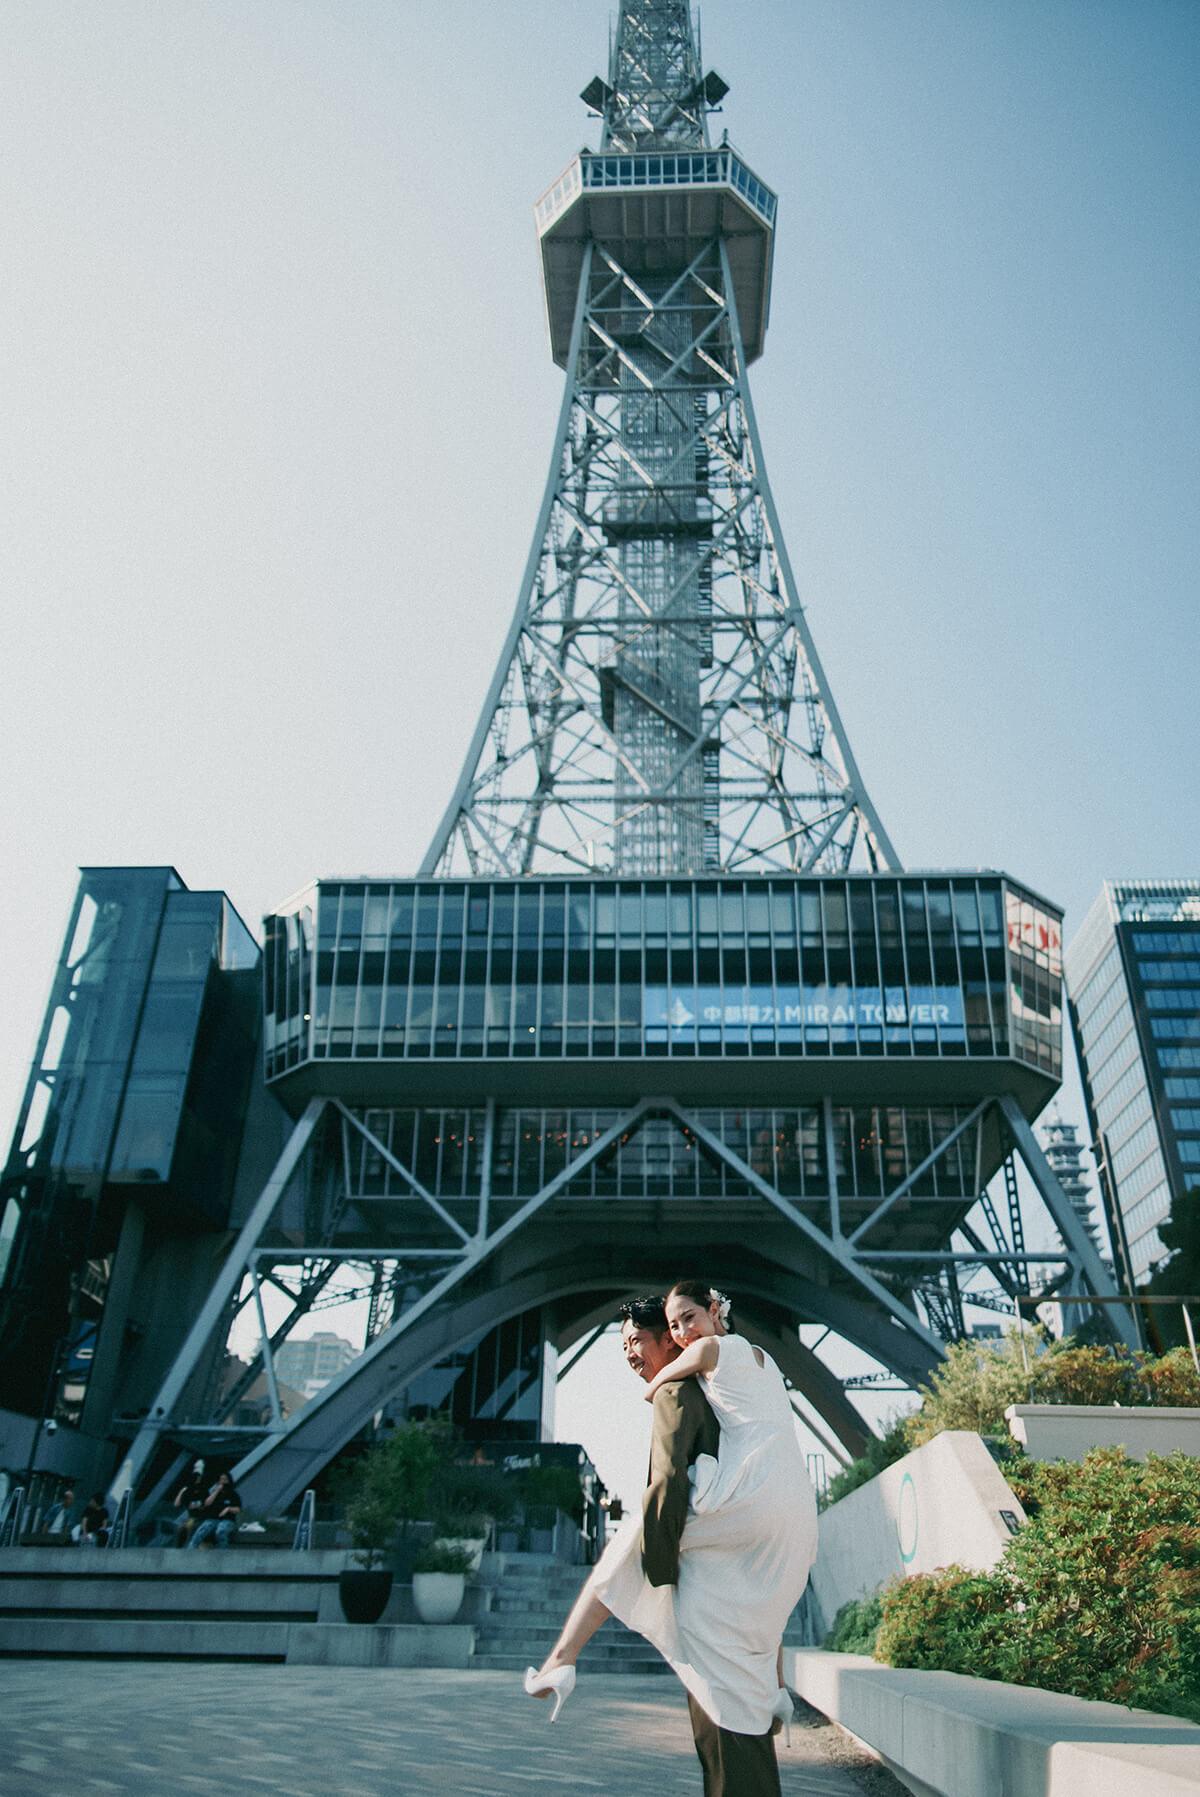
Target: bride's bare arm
{"type": "Point", "coordinates": [699, 1357]}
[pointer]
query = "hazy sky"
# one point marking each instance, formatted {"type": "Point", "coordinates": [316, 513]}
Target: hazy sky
{"type": "Point", "coordinates": [278, 408]}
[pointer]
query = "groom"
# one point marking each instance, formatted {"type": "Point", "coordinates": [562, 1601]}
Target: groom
{"type": "Point", "coordinates": [684, 1427]}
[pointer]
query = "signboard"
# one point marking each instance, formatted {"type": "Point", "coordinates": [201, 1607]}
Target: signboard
{"type": "Point", "coordinates": [680, 1010]}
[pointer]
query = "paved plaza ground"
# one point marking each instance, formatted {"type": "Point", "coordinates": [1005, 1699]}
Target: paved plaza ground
{"type": "Point", "coordinates": [163, 1730]}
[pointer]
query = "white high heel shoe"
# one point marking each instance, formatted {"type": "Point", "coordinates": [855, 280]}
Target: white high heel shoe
{"type": "Point", "coordinates": [782, 1710]}
{"type": "Point", "coordinates": [561, 1682]}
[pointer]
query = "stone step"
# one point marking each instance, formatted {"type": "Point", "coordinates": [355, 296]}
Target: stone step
{"type": "Point", "coordinates": [536, 1651]}
{"type": "Point", "coordinates": [86, 1638]}
{"type": "Point", "coordinates": [508, 1662]}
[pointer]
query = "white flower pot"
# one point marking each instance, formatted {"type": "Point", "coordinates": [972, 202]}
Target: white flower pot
{"type": "Point", "coordinates": [438, 1595]}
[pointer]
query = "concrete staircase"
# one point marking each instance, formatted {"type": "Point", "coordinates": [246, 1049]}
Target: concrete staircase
{"type": "Point", "coordinates": [233, 1604]}
{"type": "Point", "coordinates": [248, 1604]}
{"type": "Point", "coordinates": [530, 1600]}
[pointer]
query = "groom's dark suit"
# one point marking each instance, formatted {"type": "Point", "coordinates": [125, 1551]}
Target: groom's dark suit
{"type": "Point", "coordinates": [684, 1426]}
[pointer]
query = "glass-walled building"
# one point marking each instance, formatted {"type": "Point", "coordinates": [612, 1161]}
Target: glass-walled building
{"type": "Point", "coordinates": [1133, 979]}
{"type": "Point", "coordinates": [831, 1037]}
{"type": "Point", "coordinates": [127, 1142]}
{"type": "Point", "coordinates": [823, 969]}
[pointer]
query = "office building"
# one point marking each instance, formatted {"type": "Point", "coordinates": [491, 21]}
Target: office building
{"type": "Point", "coordinates": [1133, 980]}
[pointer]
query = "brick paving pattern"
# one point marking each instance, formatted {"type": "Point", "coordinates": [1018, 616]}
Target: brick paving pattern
{"type": "Point", "coordinates": [148, 1730]}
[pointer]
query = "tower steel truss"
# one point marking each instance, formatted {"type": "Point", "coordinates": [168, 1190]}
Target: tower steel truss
{"type": "Point", "coordinates": [567, 1053]}
{"type": "Point", "coordinates": [659, 705]}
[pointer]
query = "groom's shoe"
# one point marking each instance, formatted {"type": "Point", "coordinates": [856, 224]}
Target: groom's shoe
{"type": "Point", "coordinates": [560, 1683]}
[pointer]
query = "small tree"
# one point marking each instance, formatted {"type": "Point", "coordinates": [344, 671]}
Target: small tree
{"type": "Point", "coordinates": [392, 1486]}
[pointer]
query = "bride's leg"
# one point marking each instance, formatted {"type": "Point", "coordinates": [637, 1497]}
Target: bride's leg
{"type": "Point", "coordinates": [587, 1613]}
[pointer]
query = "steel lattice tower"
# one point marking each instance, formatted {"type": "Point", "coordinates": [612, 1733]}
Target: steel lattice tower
{"type": "Point", "coordinates": [659, 705]}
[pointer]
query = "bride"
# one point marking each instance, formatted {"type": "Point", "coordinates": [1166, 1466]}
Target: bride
{"type": "Point", "coordinates": [747, 1546]}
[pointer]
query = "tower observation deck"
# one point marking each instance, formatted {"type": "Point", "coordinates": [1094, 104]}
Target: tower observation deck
{"type": "Point", "coordinates": [661, 995]}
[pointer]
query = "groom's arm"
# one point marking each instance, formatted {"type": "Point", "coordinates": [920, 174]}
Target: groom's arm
{"type": "Point", "coordinates": [684, 1426]}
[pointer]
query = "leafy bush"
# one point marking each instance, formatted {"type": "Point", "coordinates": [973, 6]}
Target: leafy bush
{"type": "Point", "coordinates": [464, 1497]}
{"type": "Point", "coordinates": [881, 1451]}
{"type": "Point", "coordinates": [443, 1556]}
{"type": "Point", "coordinates": [1172, 1380]}
{"type": "Point", "coordinates": [1097, 1596]}
{"type": "Point", "coordinates": [972, 1388]}
{"type": "Point", "coordinates": [855, 1626]}
{"type": "Point", "coordinates": [952, 1620]}
{"type": "Point", "coordinates": [553, 1488]}
{"type": "Point", "coordinates": [974, 1385]}
{"type": "Point", "coordinates": [1069, 1374]}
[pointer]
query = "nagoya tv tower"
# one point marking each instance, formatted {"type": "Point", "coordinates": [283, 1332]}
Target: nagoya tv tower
{"type": "Point", "coordinates": [660, 998]}
{"type": "Point", "coordinates": [659, 707]}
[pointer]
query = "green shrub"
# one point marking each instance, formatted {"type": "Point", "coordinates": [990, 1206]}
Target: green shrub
{"type": "Point", "coordinates": [975, 1383]}
{"type": "Point", "coordinates": [881, 1451]}
{"type": "Point", "coordinates": [553, 1488]}
{"type": "Point", "coordinates": [972, 1388]}
{"type": "Point", "coordinates": [1171, 1379]}
{"type": "Point", "coordinates": [855, 1626]}
{"type": "Point", "coordinates": [951, 1620]}
{"type": "Point", "coordinates": [1097, 1596]}
{"type": "Point", "coordinates": [443, 1556]}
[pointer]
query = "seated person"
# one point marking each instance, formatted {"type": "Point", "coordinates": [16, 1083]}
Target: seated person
{"type": "Point", "coordinates": [92, 1526]}
{"type": "Point", "coordinates": [189, 1501]}
{"type": "Point", "coordinates": [219, 1513]}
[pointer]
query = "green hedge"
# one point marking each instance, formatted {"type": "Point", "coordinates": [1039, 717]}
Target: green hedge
{"type": "Point", "coordinates": [856, 1626]}
{"type": "Point", "coordinates": [1097, 1596]}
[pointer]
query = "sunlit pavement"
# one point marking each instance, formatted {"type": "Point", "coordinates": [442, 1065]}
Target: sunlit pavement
{"type": "Point", "coordinates": [157, 1729]}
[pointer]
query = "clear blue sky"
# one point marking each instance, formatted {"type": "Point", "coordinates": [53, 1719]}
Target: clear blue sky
{"type": "Point", "coordinates": [278, 409]}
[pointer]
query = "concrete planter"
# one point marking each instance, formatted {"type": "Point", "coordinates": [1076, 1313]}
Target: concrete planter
{"type": "Point", "coordinates": [438, 1595]}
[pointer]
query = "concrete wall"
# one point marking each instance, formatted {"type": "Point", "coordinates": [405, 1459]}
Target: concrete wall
{"type": "Point", "coordinates": [945, 1502]}
{"type": "Point", "coordinates": [1067, 1431]}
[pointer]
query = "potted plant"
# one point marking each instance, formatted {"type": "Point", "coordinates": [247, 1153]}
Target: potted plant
{"type": "Point", "coordinates": [439, 1579]}
{"type": "Point", "coordinates": [468, 1531]}
{"type": "Point", "coordinates": [390, 1490]}
{"type": "Point", "coordinates": [364, 1592]}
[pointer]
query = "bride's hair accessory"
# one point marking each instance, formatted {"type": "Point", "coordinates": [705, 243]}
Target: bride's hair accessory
{"type": "Point", "coordinates": [721, 1302]}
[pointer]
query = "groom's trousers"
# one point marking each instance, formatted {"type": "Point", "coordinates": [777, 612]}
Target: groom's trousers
{"type": "Point", "coordinates": [734, 1765]}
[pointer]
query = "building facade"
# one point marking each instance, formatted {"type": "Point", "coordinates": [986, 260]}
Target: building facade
{"type": "Point", "coordinates": [125, 1153]}
{"type": "Point", "coordinates": [1133, 979]}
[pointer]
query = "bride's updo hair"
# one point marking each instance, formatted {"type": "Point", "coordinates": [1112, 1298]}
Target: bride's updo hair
{"type": "Point", "coordinates": [703, 1294]}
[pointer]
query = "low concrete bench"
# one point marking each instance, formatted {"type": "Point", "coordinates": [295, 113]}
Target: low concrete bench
{"type": "Point", "coordinates": [944, 1735]}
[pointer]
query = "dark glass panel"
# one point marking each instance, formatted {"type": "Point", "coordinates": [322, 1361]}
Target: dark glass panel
{"type": "Point", "coordinates": [920, 965]}
{"type": "Point", "coordinates": [554, 916]}
{"type": "Point", "coordinates": [528, 909]}
{"type": "Point", "coordinates": [402, 912]}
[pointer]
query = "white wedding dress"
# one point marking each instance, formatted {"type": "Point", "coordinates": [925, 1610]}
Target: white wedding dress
{"type": "Point", "coordinates": [746, 1551]}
